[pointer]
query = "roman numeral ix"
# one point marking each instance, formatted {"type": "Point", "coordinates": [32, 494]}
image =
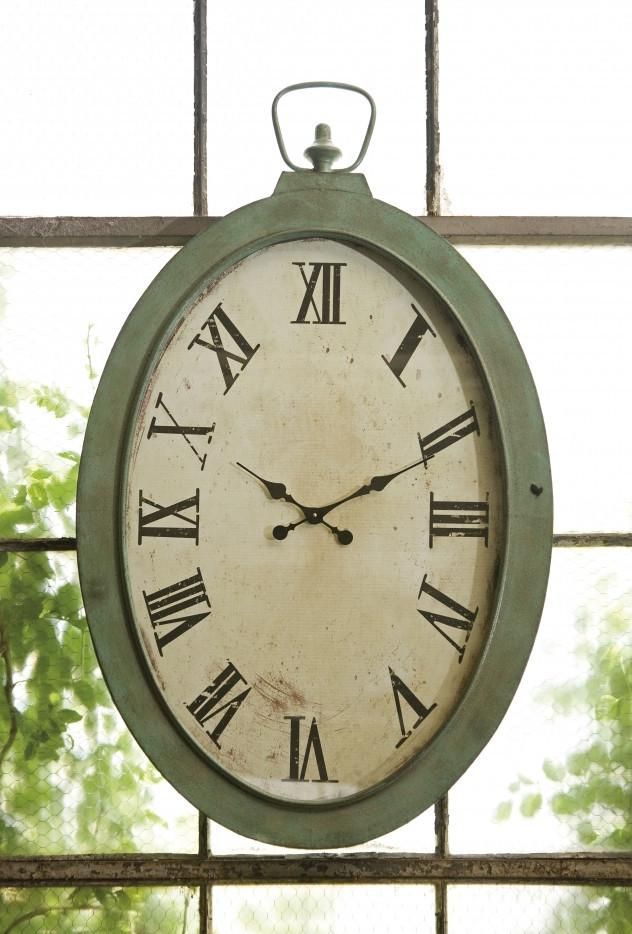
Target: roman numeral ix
{"type": "Point", "coordinates": [167, 608]}
{"type": "Point", "coordinates": [462, 622]}
{"type": "Point", "coordinates": [329, 275]}
{"type": "Point", "coordinates": [183, 518]}
{"type": "Point", "coordinates": [184, 430]}
{"type": "Point", "coordinates": [224, 356]}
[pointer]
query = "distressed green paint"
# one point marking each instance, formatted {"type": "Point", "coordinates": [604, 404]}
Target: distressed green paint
{"type": "Point", "coordinates": [340, 207]}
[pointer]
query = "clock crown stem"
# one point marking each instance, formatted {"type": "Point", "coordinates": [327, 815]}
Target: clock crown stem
{"type": "Point", "coordinates": [323, 152]}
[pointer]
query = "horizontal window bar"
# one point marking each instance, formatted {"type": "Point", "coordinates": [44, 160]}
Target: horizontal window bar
{"type": "Point", "coordinates": [563, 540]}
{"type": "Point", "coordinates": [546, 869]}
{"type": "Point", "coordinates": [175, 231]}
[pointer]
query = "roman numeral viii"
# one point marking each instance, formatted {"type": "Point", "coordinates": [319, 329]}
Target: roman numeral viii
{"type": "Point", "coordinates": [329, 275]}
{"type": "Point", "coordinates": [168, 608]}
{"type": "Point", "coordinates": [459, 519]}
{"type": "Point", "coordinates": [216, 344]}
{"type": "Point", "coordinates": [298, 769]}
{"type": "Point", "coordinates": [409, 345]}
{"type": "Point", "coordinates": [179, 520]}
{"type": "Point", "coordinates": [401, 692]}
{"type": "Point", "coordinates": [460, 625]}
{"type": "Point", "coordinates": [208, 705]}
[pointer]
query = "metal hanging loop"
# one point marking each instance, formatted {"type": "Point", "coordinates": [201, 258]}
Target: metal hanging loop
{"type": "Point", "coordinates": [322, 152]}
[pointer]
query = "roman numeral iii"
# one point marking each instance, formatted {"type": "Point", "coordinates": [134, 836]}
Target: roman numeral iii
{"type": "Point", "coordinates": [460, 625]}
{"type": "Point", "coordinates": [458, 519]}
{"type": "Point", "coordinates": [208, 705]}
{"type": "Point", "coordinates": [246, 351]}
{"type": "Point", "coordinates": [410, 343]}
{"type": "Point", "coordinates": [179, 520]}
{"type": "Point", "coordinates": [167, 608]}
{"type": "Point", "coordinates": [298, 768]}
{"type": "Point", "coordinates": [329, 275]}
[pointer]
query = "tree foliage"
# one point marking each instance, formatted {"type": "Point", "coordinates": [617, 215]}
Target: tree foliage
{"type": "Point", "coordinates": [71, 778]}
{"type": "Point", "coordinates": [590, 790]}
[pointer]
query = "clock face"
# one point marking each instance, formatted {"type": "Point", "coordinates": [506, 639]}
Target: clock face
{"type": "Point", "coordinates": [313, 520]}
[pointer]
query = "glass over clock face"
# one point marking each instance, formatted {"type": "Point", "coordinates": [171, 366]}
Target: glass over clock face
{"type": "Point", "coordinates": [312, 520]}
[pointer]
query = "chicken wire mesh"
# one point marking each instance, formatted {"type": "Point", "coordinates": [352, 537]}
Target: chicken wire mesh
{"type": "Point", "coordinates": [325, 909]}
{"type": "Point", "coordinates": [72, 779]}
{"type": "Point", "coordinates": [99, 911]}
{"type": "Point", "coordinates": [557, 775]}
{"type": "Point", "coordinates": [531, 909]}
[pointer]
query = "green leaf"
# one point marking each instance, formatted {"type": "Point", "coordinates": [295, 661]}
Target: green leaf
{"type": "Point", "coordinates": [531, 804]}
{"type": "Point", "coordinates": [555, 772]}
{"type": "Point", "coordinates": [503, 811]}
{"type": "Point", "coordinates": [563, 804]}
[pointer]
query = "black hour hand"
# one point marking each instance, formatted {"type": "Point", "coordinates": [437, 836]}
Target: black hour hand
{"type": "Point", "coordinates": [276, 490]}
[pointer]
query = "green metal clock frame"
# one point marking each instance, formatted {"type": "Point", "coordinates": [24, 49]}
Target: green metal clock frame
{"type": "Point", "coordinates": [339, 207]}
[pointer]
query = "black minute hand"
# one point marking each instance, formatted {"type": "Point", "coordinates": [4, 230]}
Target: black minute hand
{"type": "Point", "coordinates": [375, 485]}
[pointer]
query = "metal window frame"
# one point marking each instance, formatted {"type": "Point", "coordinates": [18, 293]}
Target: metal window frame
{"type": "Point", "coordinates": [205, 870]}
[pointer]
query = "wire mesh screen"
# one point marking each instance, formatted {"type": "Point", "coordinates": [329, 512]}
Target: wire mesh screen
{"type": "Point", "coordinates": [325, 909]}
{"type": "Point", "coordinates": [99, 911]}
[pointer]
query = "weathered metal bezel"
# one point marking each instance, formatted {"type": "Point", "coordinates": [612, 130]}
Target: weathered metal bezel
{"type": "Point", "coordinates": [339, 207]}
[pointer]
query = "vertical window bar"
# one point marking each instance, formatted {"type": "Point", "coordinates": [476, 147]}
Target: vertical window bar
{"type": "Point", "coordinates": [441, 850]}
{"type": "Point", "coordinates": [200, 202]}
{"type": "Point", "coordinates": [204, 847]}
{"type": "Point", "coordinates": [433, 167]}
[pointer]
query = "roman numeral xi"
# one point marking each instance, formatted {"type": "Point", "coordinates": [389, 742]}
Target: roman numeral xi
{"type": "Point", "coordinates": [224, 357]}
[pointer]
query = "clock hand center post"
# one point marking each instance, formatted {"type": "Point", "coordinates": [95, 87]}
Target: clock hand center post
{"type": "Point", "coordinates": [316, 515]}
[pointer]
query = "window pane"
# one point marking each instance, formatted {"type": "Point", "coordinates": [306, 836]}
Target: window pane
{"type": "Point", "coordinates": [322, 909]}
{"type": "Point", "coordinates": [570, 309]}
{"type": "Point", "coordinates": [257, 50]}
{"type": "Point", "coordinates": [414, 837]}
{"type": "Point", "coordinates": [60, 312]}
{"type": "Point", "coordinates": [98, 107]}
{"type": "Point", "coordinates": [73, 780]}
{"type": "Point", "coordinates": [557, 774]}
{"type": "Point", "coordinates": [100, 910]}
{"type": "Point", "coordinates": [534, 107]}
{"type": "Point", "coordinates": [523, 909]}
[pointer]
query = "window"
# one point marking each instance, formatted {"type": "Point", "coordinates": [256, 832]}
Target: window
{"type": "Point", "coordinates": [506, 126]}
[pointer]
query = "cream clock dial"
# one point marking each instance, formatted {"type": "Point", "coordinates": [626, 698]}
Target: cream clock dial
{"type": "Point", "coordinates": [313, 520]}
